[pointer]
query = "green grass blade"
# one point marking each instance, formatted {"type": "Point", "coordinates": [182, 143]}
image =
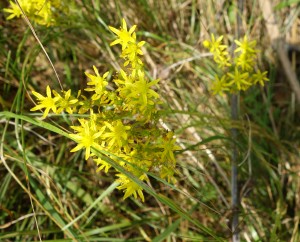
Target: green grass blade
{"type": "Point", "coordinates": [167, 231]}
{"type": "Point", "coordinates": [95, 203]}
{"type": "Point", "coordinates": [47, 206]}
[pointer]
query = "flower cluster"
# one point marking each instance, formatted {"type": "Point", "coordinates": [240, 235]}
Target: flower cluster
{"type": "Point", "coordinates": [122, 118]}
{"type": "Point", "coordinates": [238, 73]}
{"type": "Point", "coordinates": [43, 12]}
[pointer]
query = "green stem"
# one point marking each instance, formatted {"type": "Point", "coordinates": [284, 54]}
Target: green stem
{"type": "Point", "coordinates": [234, 172]}
{"type": "Point", "coordinates": [234, 132]}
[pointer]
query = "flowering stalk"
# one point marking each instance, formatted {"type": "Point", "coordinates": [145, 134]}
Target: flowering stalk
{"type": "Point", "coordinates": [236, 74]}
{"type": "Point", "coordinates": [123, 118]}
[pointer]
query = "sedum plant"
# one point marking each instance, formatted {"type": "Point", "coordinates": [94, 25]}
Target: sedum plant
{"type": "Point", "coordinates": [237, 73]}
{"type": "Point", "coordinates": [121, 118]}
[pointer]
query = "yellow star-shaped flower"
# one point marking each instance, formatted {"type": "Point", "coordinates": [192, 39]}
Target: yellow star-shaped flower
{"type": "Point", "coordinates": [45, 102]}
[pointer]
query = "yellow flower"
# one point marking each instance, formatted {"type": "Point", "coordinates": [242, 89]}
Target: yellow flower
{"type": "Point", "coordinates": [241, 75]}
{"type": "Point", "coordinates": [239, 79]}
{"type": "Point", "coordinates": [222, 59]}
{"type": "Point", "coordinates": [45, 102]}
{"type": "Point", "coordinates": [245, 61]}
{"type": "Point", "coordinates": [220, 85]}
{"type": "Point", "coordinates": [15, 11]}
{"type": "Point", "coordinates": [66, 102]}
{"type": "Point", "coordinates": [39, 11]}
{"type": "Point", "coordinates": [260, 77]}
{"type": "Point", "coordinates": [124, 36]}
{"type": "Point", "coordinates": [102, 165]}
{"type": "Point", "coordinates": [219, 51]}
{"type": "Point", "coordinates": [117, 136]}
{"type": "Point", "coordinates": [99, 83]}
{"type": "Point", "coordinates": [168, 146]}
{"type": "Point", "coordinates": [124, 83]}
{"type": "Point", "coordinates": [131, 54]}
{"type": "Point", "coordinates": [86, 136]}
{"type": "Point", "coordinates": [130, 187]}
{"type": "Point", "coordinates": [245, 46]}
{"type": "Point", "coordinates": [141, 92]}
{"type": "Point", "coordinates": [215, 44]}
